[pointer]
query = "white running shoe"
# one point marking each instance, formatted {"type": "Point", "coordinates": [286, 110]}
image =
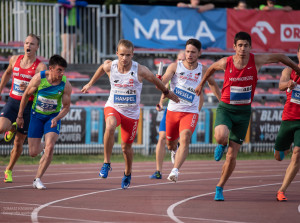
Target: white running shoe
{"type": "Point", "coordinates": [173, 176]}
{"type": "Point", "coordinates": [37, 183]}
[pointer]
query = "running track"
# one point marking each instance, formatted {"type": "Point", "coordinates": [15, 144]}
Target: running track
{"type": "Point", "coordinates": [75, 193]}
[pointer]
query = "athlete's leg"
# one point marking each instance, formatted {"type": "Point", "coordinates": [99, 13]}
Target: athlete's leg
{"type": "Point", "coordinates": [160, 150]}
{"type": "Point", "coordinates": [128, 157]}
{"type": "Point", "coordinates": [183, 150]}
{"type": "Point", "coordinates": [222, 134]}
{"type": "Point", "coordinates": [292, 169]}
{"type": "Point", "coordinates": [230, 163]}
{"type": "Point", "coordinates": [50, 140]}
{"type": "Point", "coordinates": [109, 137]}
{"type": "Point", "coordinates": [5, 125]}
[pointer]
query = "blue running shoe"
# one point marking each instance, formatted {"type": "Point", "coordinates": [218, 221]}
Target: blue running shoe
{"type": "Point", "coordinates": [281, 154]}
{"type": "Point", "coordinates": [219, 194]}
{"type": "Point", "coordinates": [156, 175]}
{"type": "Point", "coordinates": [104, 170]}
{"type": "Point", "coordinates": [219, 150]}
{"type": "Point", "coordinates": [126, 181]}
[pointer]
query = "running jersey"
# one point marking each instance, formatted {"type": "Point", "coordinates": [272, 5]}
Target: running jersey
{"type": "Point", "coordinates": [125, 92]}
{"type": "Point", "coordinates": [183, 84]}
{"type": "Point", "coordinates": [292, 104]}
{"type": "Point", "coordinates": [239, 85]}
{"type": "Point", "coordinates": [48, 98]}
{"type": "Point", "coordinates": [21, 75]}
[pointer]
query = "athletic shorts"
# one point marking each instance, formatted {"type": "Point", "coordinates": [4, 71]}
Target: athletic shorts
{"type": "Point", "coordinates": [162, 125]}
{"type": "Point", "coordinates": [41, 124]}
{"type": "Point", "coordinates": [236, 118]}
{"type": "Point", "coordinates": [11, 110]}
{"type": "Point", "coordinates": [128, 125]}
{"type": "Point", "coordinates": [288, 133]}
{"type": "Point", "coordinates": [176, 122]}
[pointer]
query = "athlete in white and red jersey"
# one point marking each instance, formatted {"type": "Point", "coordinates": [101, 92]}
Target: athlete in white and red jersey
{"type": "Point", "coordinates": [289, 131]}
{"type": "Point", "coordinates": [122, 108]}
{"type": "Point", "coordinates": [234, 110]}
{"type": "Point", "coordinates": [22, 68]}
{"type": "Point", "coordinates": [182, 118]}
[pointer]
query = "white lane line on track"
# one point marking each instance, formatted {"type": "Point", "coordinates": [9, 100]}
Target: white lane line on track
{"type": "Point", "coordinates": [34, 214]}
{"type": "Point", "coordinates": [170, 210]}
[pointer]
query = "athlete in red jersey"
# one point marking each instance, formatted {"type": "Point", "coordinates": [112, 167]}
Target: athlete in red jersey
{"type": "Point", "coordinates": [234, 110]}
{"type": "Point", "coordinates": [289, 131]}
{"type": "Point", "coordinates": [22, 68]}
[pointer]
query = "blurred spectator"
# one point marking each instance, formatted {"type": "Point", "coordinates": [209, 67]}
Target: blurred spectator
{"type": "Point", "coordinates": [271, 6]}
{"type": "Point", "coordinates": [181, 55]}
{"type": "Point", "coordinates": [71, 18]}
{"type": "Point", "coordinates": [241, 5]}
{"type": "Point", "coordinates": [195, 4]}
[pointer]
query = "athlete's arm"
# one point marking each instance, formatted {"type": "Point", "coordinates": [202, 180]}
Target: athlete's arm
{"type": "Point", "coordinates": [7, 74]}
{"type": "Point", "coordinates": [169, 73]}
{"type": "Point", "coordinates": [160, 105]}
{"type": "Point", "coordinates": [145, 73]}
{"type": "Point", "coordinates": [275, 58]}
{"type": "Point", "coordinates": [104, 68]}
{"type": "Point", "coordinates": [285, 80]}
{"type": "Point", "coordinates": [66, 102]}
{"type": "Point", "coordinates": [219, 65]}
{"type": "Point", "coordinates": [201, 102]}
{"type": "Point", "coordinates": [32, 87]}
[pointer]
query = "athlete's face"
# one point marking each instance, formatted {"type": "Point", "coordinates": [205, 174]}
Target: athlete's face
{"type": "Point", "coordinates": [57, 72]}
{"type": "Point", "coordinates": [124, 55]}
{"type": "Point", "coordinates": [30, 46]}
{"type": "Point", "coordinates": [192, 54]}
{"type": "Point", "coordinates": [242, 48]}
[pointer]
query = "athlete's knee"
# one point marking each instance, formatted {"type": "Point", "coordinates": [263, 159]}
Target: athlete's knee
{"type": "Point", "coordinates": [33, 153]}
{"type": "Point", "coordinates": [221, 138]}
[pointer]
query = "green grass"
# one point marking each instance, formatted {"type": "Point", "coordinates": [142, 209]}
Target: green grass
{"type": "Point", "coordinates": [73, 159]}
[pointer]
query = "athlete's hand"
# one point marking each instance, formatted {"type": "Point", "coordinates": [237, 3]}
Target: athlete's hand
{"type": "Point", "coordinates": [172, 97]}
{"type": "Point", "coordinates": [198, 90]}
{"type": "Point", "coordinates": [85, 88]}
{"type": "Point", "coordinates": [159, 107]}
{"type": "Point", "coordinates": [53, 123]}
{"type": "Point", "coordinates": [291, 84]}
{"type": "Point", "coordinates": [23, 86]}
{"type": "Point", "coordinates": [20, 122]}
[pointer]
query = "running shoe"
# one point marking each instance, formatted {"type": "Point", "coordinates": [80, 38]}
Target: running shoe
{"type": "Point", "coordinates": [219, 194]}
{"type": "Point", "coordinates": [173, 176]}
{"type": "Point", "coordinates": [8, 176]}
{"type": "Point", "coordinates": [126, 181]}
{"type": "Point", "coordinates": [10, 134]}
{"type": "Point", "coordinates": [280, 196]}
{"type": "Point", "coordinates": [156, 175]}
{"type": "Point", "coordinates": [37, 183]}
{"type": "Point", "coordinates": [281, 154]}
{"type": "Point", "coordinates": [104, 170]}
{"type": "Point", "coordinates": [219, 150]}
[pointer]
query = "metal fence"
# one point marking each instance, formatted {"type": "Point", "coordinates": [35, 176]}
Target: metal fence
{"type": "Point", "coordinates": [91, 40]}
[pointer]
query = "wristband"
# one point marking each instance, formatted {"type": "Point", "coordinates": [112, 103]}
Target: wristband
{"type": "Point", "coordinates": [166, 92]}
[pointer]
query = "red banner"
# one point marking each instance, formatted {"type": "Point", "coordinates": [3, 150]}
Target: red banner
{"type": "Point", "coordinates": [269, 30]}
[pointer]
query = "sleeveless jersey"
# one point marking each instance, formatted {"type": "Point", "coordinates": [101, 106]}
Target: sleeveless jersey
{"type": "Point", "coordinates": [239, 85]}
{"type": "Point", "coordinates": [292, 104]}
{"type": "Point", "coordinates": [21, 75]}
{"type": "Point", "coordinates": [125, 92]}
{"type": "Point", "coordinates": [183, 84]}
{"type": "Point", "coordinates": [48, 98]}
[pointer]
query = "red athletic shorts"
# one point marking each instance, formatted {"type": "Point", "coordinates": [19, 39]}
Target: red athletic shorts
{"type": "Point", "coordinates": [128, 125]}
{"type": "Point", "coordinates": [176, 122]}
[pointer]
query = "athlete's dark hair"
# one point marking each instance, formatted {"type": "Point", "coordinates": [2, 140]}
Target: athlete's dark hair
{"type": "Point", "coordinates": [125, 43]}
{"type": "Point", "coordinates": [57, 60]}
{"type": "Point", "coordinates": [242, 36]}
{"type": "Point", "coordinates": [35, 36]}
{"type": "Point", "coordinates": [196, 43]}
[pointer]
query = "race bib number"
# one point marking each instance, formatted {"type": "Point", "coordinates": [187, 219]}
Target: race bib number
{"type": "Point", "coordinates": [295, 98]}
{"type": "Point", "coordinates": [16, 87]}
{"type": "Point", "coordinates": [125, 98]}
{"type": "Point", "coordinates": [240, 95]}
{"type": "Point", "coordinates": [46, 104]}
{"type": "Point", "coordinates": [184, 94]}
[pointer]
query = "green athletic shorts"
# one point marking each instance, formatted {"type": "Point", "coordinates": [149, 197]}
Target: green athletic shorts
{"type": "Point", "coordinates": [236, 118]}
{"type": "Point", "coordinates": [288, 133]}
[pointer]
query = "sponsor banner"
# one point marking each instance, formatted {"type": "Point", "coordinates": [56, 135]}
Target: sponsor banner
{"type": "Point", "coordinates": [269, 30]}
{"type": "Point", "coordinates": [72, 128]}
{"type": "Point", "coordinates": [166, 27]}
{"type": "Point", "coordinates": [265, 124]}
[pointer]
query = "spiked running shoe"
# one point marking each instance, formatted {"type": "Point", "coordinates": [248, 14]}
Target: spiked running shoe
{"type": "Point", "coordinates": [219, 194]}
{"type": "Point", "coordinates": [126, 181]}
{"type": "Point", "coordinates": [281, 154]}
{"type": "Point", "coordinates": [173, 176]}
{"type": "Point", "coordinates": [38, 184]}
{"type": "Point", "coordinates": [219, 150]}
{"type": "Point", "coordinates": [104, 170]}
{"type": "Point", "coordinates": [10, 134]}
{"type": "Point", "coordinates": [8, 176]}
{"type": "Point", "coordinates": [156, 175]}
{"type": "Point", "coordinates": [280, 196]}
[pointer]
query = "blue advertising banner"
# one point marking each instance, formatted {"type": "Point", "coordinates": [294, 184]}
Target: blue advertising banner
{"type": "Point", "coordinates": [169, 27]}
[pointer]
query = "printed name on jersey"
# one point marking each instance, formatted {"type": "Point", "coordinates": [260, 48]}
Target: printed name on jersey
{"type": "Point", "coordinates": [124, 99]}
{"type": "Point", "coordinates": [184, 95]}
{"type": "Point", "coordinates": [295, 98]}
{"type": "Point", "coordinates": [235, 79]}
